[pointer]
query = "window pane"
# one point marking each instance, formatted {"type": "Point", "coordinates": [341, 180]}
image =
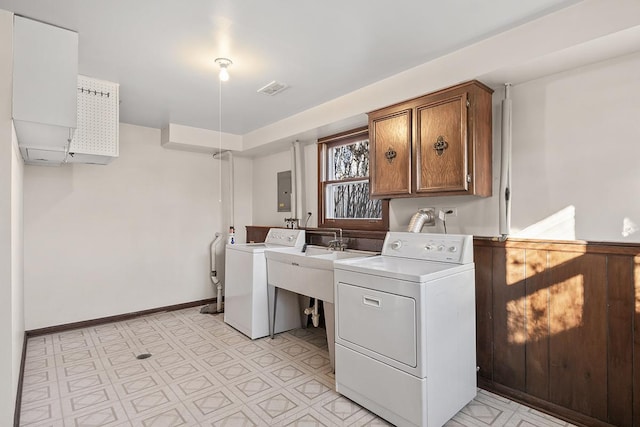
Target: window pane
{"type": "Point", "coordinates": [351, 200]}
{"type": "Point", "coordinates": [349, 161]}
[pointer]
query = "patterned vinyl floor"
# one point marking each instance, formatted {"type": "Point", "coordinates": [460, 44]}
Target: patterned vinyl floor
{"type": "Point", "coordinates": [204, 373]}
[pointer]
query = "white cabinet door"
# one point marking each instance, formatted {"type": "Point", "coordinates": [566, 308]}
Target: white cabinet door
{"type": "Point", "coordinates": [45, 69]}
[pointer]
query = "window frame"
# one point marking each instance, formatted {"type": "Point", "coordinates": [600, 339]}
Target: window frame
{"type": "Point", "coordinates": [324, 144]}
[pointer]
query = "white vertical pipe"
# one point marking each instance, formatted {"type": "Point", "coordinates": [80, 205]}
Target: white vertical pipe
{"type": "Point", "coordinates": [231, 194]}
{"type": "Point", "coordinates": [217, 284]}
{"type": "Point", "coordinates": [294, 174]}
{"type": "Point", "coordinates": [298, 179]}
{"type": "Point", "coordinates": [505, 166]}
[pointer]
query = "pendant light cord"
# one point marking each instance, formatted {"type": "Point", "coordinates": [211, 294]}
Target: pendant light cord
{"type": "Point", "coordinates": [220, 139]}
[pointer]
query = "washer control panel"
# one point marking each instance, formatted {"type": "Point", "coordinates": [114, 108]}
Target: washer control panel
{"type": "Point", "coordinates": [285, 237]}
{"type": "Point", "coordinates": [454, 248]}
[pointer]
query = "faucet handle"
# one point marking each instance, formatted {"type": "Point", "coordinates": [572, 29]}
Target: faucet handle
{"type": "Point", "coordinates": [339, 244]}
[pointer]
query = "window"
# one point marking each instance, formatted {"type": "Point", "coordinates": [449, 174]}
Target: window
{"type": "Point", "coordinates": [343, 184]}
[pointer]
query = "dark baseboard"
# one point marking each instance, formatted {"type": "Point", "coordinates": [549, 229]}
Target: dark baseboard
{"type": "Point", "coordinates": [16, 412]}
{"type": "Point", "coordinates": [116, 318]}
{"type": "Point", "coordinates": [85, 324]}
{"type": "Point", "coordinates": [552, 409]}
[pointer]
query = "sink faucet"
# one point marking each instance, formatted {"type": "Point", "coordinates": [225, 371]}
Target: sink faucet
{"type": "Point", "coordinates": [337, 243]}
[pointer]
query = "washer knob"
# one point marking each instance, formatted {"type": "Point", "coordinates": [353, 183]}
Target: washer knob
{"type": "Point", "coordinates": [396, 245]}
{"type": "Point", "coordinates": [290, 238]}
{"type": "Point", "coordinates": [453, 249]}
{"type": "Point", "coordinates": [430, 247]}
{"type": "Point", "coordinates": [440, 247]}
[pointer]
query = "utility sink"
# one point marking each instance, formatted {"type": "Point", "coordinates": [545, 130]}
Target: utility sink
{"type": "Point", "coordinates": [308, 273]}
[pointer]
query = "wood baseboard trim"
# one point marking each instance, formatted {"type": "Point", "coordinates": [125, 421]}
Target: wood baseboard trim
{"type": "Point", "coordinates": [23, 358]}
{"type": "Point", "coordinates": [116, 318]}
{"type": "Point", "coordinates": [542, 405]}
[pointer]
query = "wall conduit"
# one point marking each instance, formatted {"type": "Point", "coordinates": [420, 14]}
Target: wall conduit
{"type": "Point", "coordinates": [505, 167]}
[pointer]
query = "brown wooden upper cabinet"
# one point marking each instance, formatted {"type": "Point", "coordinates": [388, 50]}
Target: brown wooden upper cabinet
{"type": "Point", "coordinates": [434, 145]}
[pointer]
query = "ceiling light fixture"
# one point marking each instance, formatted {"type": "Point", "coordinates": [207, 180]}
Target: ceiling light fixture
{"type": "Point", "coordinates": [224, 63]}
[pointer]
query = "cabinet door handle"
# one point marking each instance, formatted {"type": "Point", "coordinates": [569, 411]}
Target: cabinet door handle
{"type": "Point", "coordinates": [390, 154]}
{"type": "Point", "coordinates": [440, 145]}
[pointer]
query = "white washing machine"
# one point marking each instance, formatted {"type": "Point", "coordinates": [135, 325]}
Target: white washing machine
{"type": "Point", "coordinates": [405, 328]}
{"type": "Point", "coordinates": [245, 293]}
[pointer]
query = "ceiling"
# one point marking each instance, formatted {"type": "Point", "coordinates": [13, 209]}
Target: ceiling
{"type": "Point", "coordinates": [162, 52]}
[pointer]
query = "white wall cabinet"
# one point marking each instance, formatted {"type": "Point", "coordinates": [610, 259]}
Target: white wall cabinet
{"type": "Point", "coordinates": [45, 69]}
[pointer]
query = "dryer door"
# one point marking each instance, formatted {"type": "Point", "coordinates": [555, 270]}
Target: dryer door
{"type": "Point", "coordinates": [377, 321]}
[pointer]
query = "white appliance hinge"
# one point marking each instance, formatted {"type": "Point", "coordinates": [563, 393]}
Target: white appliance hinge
{"type": "Point", "coordinates": [468, 104]}
{"type": "Point", "coordinates": [468, 177]}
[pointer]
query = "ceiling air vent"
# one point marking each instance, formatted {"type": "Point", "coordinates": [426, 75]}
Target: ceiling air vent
{"type": "Point", "coordinates": [272, 88]}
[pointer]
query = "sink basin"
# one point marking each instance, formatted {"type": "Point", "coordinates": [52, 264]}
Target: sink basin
{"type": "Point", "coordinates": [308, 273]}
{"type": "Point", "coordinates": [315, 258]}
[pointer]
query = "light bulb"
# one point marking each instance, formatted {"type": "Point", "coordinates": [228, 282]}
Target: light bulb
{"type": "Point", "coordinates": [223, 63]}
{"type": "Point", "coordinates": [224, 74]}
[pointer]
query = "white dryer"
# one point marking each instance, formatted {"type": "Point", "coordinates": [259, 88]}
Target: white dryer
{"type": "Point", "coordinates": [245, 293]}
{"type": "Point", "coordinates": [405, 328]}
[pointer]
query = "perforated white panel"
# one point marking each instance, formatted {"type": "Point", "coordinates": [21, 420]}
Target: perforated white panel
{"type": "Point", "coordinates": [98, 118]}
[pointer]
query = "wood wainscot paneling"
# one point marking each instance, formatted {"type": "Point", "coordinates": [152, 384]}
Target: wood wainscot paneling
{"type": "Point", "coordinates": [537, 325]}
{"type": "Point", "coordinates": [257, 233]}
{"type": "Point", "coordinates": [508, 309]}
{"type": "Point", "coordinates": [483, 257]}
{"type": "Point", "coordinates": [620, 352]}
{"type": "Point", "coordinates": [636, 342]}
{"type": "Point", "coordinates": [558, 327]}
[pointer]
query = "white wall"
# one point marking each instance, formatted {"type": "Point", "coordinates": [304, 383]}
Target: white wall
{"type": "Point", "coordinates": [11, 234]}
{"type": "Point", "coordinates": [576, 143]}
{"type": "Point", "coordinates": [265, 188]}
{"type": "Point", "coordinates": [129, 236]}
{"type": "Point", "coordinates": [17, 258]}
{"type": "Point", "coordinates": [243, 202]}
{"type": "Point", "coordinates": [310, 187]}
{"type": "Point", "coordinates": [576, 146]}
